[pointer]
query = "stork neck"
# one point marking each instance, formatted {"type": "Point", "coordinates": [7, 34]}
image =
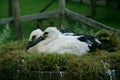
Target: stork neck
{"type": "Point", "coordinates": [48, 40]}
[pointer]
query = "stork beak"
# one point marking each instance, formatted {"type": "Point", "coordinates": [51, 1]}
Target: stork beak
{"type": "Point", "coordinates": [33, 43]}
{"type": "Point", "coordinates": [29, 45]}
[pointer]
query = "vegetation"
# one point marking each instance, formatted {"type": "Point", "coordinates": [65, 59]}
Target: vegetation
{"type": "Point", "coordinates": [90, 66]}
{"type": "Point", "coordinates": [13, 57]}
{"type": "Point", "coordinates": [104, 15]}
{"type": "Point", "coordinates": [5, 35]}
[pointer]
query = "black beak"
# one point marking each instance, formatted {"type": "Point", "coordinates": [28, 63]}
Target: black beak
{"type": "Point", "coordinates": [29, 45]}
{"type": "Point", "coordinates": [33, 43]}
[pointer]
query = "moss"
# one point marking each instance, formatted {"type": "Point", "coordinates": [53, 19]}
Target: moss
{"type": "Point", "coordinates": [90, 66]}
{"type": "Point", "coordinates": [106, 35]}
{"type": "Point", "coordinates": [86, 67]}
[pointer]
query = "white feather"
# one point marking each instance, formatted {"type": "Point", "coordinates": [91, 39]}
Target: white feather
{"type": "Point", "coordinates": [37, 33]}
{"type": "Point", "coordinates": [56, 42]}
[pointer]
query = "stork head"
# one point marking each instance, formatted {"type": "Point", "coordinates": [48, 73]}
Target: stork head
{"type": "Point", "coordinates": [35, 34]}
{"type": "Point", "coordinates": [35, 37]}
{"type": "Point", "coordinates": [51, 33]}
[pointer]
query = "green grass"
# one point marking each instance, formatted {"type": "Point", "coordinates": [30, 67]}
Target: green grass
{"type": "Point", "coordinates": [108, 16]}
{"type": "Point", "coordinates": [3, 8]}
{"type": "Point", "coordinates": [104, 15]}
{"type": "Point", "coordinates": [79, 8]}
{"type": "Point", "coordinates": [30, 6]}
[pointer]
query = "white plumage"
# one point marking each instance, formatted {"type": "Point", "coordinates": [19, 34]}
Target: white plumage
{"type": "Point", "coordinates": [54, 41]}
{"type": "Point", "coordinates": [38, 32]}
{"type": "Point", "coordinates": [35, 34]}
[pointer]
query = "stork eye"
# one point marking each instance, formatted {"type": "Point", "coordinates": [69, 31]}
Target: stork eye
{"type": "Point", "coordinates": [33, 38]}
{"type": "Point", "coordinates": [45, 33]}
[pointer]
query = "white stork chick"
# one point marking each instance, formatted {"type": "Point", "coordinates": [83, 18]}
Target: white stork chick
{"type": "Point", "coordinates": [36, 34]}
{"type": "Point", "coordinates": [33, 40]}
{"type": "Point", "coordinates": [56, 42]}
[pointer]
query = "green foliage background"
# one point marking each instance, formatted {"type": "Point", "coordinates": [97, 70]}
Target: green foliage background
{"type": "Point", "coordinates": [105, 15]}
{"type": "Point", "coordinates": [86, 67]}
